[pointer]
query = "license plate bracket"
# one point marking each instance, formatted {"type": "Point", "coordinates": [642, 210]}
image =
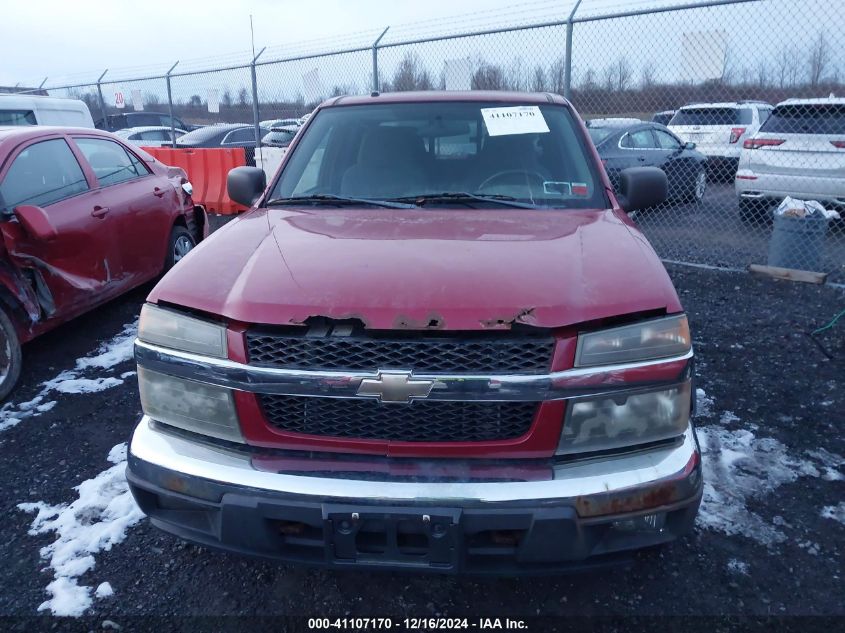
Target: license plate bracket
{"type": "Point", "coordinates": [412, 537]}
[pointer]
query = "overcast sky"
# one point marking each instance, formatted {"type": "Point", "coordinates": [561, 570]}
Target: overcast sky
{"type": "Point", "coordinates": [72, 42]}
{"type": "Point", "coordinates": [57, 38]}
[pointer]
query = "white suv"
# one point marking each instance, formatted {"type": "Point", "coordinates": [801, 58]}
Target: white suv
{"type": "Point", "coordinates": [719, 129]}
{"type": "Point", "coordinates": [799, 152]}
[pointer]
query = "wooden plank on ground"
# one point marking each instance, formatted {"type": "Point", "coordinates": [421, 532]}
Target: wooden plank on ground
{"type": "Point", "coordinates": [791, 274]}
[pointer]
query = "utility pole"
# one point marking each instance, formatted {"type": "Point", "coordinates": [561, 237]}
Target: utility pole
{"type": "Point", "coordinates": [567, 77]}
{"type": "Point", "coordinates": [103, 101]}
{"type": "Point", "coordinates": [375, 60]}
{"type": "Point", "coordinates": [170, 105]}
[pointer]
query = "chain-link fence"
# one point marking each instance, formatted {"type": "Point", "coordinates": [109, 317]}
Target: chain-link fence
{"type": "Point", "coordinates": [740, 102]}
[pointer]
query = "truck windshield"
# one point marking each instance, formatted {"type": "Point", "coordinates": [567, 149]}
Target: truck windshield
{"type": "Point", "coordinates": [489, 153]}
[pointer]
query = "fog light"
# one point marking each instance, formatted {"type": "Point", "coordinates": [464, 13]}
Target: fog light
{"type": "Point", "coordinates": [189, 405]}
{"type": "Point", "coordinates": [645, 523]}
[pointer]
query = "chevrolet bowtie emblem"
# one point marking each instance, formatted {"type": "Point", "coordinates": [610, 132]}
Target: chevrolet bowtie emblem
{"type": "Point", "coordinates": [395, 386]}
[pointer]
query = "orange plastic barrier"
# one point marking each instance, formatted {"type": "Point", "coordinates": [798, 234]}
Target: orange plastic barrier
{"type": "Point", "coordinates": [207, 170]}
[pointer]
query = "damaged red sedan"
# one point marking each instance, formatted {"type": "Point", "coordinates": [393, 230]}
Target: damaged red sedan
{"type": "Point", "coordinates": [85, 218]}
{"type": "Point", "coordinates": [436, 342]}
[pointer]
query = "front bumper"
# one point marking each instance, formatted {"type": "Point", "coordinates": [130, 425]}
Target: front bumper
{"type": "Point", "coordinates": [436, 515]}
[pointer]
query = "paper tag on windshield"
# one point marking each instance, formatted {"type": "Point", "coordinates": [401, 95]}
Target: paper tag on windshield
{"type": "Point", "coordinates": [514, 120]}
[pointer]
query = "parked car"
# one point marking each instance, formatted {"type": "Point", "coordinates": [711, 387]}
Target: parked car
{"type": "Point", "coordinates": [622, 145]}
{"type": "Point", "coordinates": [271, 123]}
{"type": "Point", "coordinates": [798, 152]}
{"type": "Point", "coordinates": [280, 136]}
{"type": "Point", "coordinates": [85, 217]}
{"type": "Point", "coordinates": [413, 357]}
{"type": "Point", "coordinates": [115, 122]}
{"type": "Point", "coordinates": [150, 136]}
{"type": "Point", "coordinates": [17, 109]}
{"type": "Point", "coordinates": [719, 129]}
{"type": "Point", "coordinates": [663, 117]}
{"type": "Point", "coordinates": [223, 135]}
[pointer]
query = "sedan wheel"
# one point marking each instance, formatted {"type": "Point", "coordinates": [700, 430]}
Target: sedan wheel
{"type": "Point", "coordinates": [181, 243]}
{"type": "Point", "coordinates": [10, 355]}
{"type": "Point", "coordinates": [182, 247]}
{"type": "Point", "coordinates": [700, 186]}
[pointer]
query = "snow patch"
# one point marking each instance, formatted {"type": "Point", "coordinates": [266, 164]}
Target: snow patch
{"type": "Point", "coordinates": [111, 353]}
{"type": "Point", "coordinates": [837, 512]}
{"type": "Point", "coordinates": [737, 566]}
{"type": "Point", "coordinates": [739, 466]}
{"type": "Point", "coordinates": [728, 417]}
{"type": "Point", "coordinates": [103, 590]}
{"type": "Point", "coordinates": [97, 520]}
{"type": "Point", "coordinates": [703, 403]}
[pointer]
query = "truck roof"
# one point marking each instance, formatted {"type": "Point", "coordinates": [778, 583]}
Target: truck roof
{"type": "Point", "coordinates": [528, 98]}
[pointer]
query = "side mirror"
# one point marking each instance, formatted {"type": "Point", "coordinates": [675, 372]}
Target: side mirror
{"type": "Point", "coordinates": [641, 187]}
{"type": "Point", "coordinates": [36, 222]}
{"type": "Point", "coordinates": [689, 145]}
{"type": "Point", "coordinates": [246, 184]}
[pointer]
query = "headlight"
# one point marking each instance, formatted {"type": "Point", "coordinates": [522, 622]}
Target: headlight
{"type": "Point", "coordinates": [604, 423]}
{"type": "Point", "coordinates": [192, 406]}
{"type": "Point", "coordinates": [649, 340]}
{"type": "Point", "coordinates": [178, 331]}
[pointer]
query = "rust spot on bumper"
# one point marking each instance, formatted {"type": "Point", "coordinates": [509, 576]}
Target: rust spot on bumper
{"type": "Point", "coordinates": [683, 486]}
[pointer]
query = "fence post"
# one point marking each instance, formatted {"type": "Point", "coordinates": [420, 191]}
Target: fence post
{"type": "Point", "coordinates": [567, 77]}
{"type": "Point", "coordinates": [375, 60]}
{"type": "Point", "coordinates": [170, 106]}
{"type": "Point", "coordinates": [102, 101]}
{"type": "Point", "coordinates": [255, 98]}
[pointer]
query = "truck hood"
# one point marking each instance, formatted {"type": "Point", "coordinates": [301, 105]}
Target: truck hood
{"type": "Point", "coordinates": [455, 269]}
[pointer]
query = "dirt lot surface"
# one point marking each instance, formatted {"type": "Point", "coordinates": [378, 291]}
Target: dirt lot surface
{"type": "Point", "coordinates": [769, 540]}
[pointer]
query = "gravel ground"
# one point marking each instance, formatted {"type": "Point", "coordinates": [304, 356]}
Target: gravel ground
{"type": "Point", "coordinates": [771, 399]}
{"type": "Point", "coordinates": [711, 232]}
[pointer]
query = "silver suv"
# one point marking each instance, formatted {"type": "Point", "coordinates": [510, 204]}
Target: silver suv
{"type": "Point", "coordinates": [719, 129]}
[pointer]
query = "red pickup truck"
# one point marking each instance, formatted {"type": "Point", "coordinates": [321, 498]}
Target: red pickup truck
{"type": "Point", "coordinates": [435, 342]}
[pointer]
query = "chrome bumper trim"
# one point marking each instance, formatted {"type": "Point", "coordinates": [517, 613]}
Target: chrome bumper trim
{"type": "Point", "coordinates": [570, 383]}
{"type": "Point", "coordinates": [572, 480]}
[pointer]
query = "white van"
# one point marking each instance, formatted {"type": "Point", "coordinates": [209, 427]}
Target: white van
{"type": "Point", "coordinates": [16, 109]}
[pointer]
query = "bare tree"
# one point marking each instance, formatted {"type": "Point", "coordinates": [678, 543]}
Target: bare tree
{"type": "Point", "coordinates": [648, 75]}
{"type": "Point", "coordinates": [819, 60]}
{"type": "Point", "coordinates": [243, 97]}
{"type": "Point", "coordinates": [557, 75]}
{"type": "Point", "coordinates": [588, 81]}
{"type": "Point", "coordinates": [489, 77]}
{"type": "Point", "coordinates": [538, 83]}
{"type": "Point", "coordinates": [518, 75]}
{"type": "Point", "coordinates": [617, 76]}
{"type": "Point", "coordinates": [763, 75]}
{"type": "Point", "coordinates": [226, 100]}
{"type": "Point", "coordinates": [787, 67]}
{"type": "Point", "coordinates": [195, 101]}
{"type": "Point", "coordinates": [410, 75]}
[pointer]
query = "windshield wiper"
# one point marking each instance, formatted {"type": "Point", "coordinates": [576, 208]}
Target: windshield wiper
{"type": "Point", "coordinates": [463, 196]}
{"type": "Point", "coordinates": [328, 198]}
